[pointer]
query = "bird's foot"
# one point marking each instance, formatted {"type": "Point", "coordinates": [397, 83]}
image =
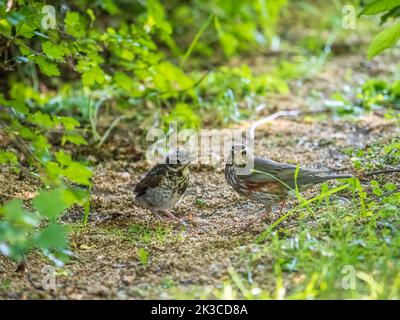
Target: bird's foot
{"type": "Point", "coordinates": [281, 207]}
{"type": "Point", "coordinates": [174, 218]}
{"type": "Point", "coordinates": [261, 218]}
{"type": "Point", "coordinates": [196, 221]}
{"type": "Point", "coordinates": [159, 217]}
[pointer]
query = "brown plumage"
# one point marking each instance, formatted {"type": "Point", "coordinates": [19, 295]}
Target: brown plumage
{"type": "Point", "coordinates": [266, 181]}
{"type": "Point", "coordinates": [165, 184]}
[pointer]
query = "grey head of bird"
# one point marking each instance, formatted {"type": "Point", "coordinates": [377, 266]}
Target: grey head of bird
{"type": "Point", "coordinates": [178, 159]}
{"type": "Point", "coordinates": [240, 157]}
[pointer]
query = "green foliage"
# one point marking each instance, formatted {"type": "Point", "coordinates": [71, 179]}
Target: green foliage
{"type": "Point", "coordinates": [22, 230]}
{"type": "Point", "coordinates": [372, 95]}
{"type": "Point", "coordinates": [376, 156]}
{"type": "Point", "coordinates": [143, 256]}
{"type": "Point", "coordinates": [26, 120]}
{"type": "Point", "coordinates": [238, 26]}
{"type": "Point", "coordinates": [316, 263]}
{"type": "Point", "coordinates": [389, 37]}
{"type": "Point", "coordinates": [384, 40]}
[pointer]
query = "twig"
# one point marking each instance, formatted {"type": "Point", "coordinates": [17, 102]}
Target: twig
{"type": "Point", "coordinates": [291, 113]}
{"type": "Point", "coordinates": [279, 114]}
{"type": "Point", "coordinates": [369, 174]}
{"type": "Point", "coordinates": [93, 118]}
{"type": "Point", "coordinates": [112, 126]}
{"type": "Point", "coordinates": [20, 144]}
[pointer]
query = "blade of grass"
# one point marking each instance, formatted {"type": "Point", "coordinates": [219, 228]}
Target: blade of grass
{"type": "Point", "coordinates": [362, 196]}
{"type": "Point", "coordinates": [298, 195]}
{"type": "Point", "coordinates": [86, 208]}
{"type": "Point", "coordinates": [239, 283]}
{"type": "Point", "coordinates": [267, 232]}
{"type": "Point", "coordinates": [280, 290]}
{"type": "Point", "coordinates": [196, 40]}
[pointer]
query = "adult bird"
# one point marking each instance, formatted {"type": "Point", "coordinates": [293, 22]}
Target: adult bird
{"type": "Point", "coordinates": [165, 184]}
{"type": "Point", "coordinates": [268, 182]}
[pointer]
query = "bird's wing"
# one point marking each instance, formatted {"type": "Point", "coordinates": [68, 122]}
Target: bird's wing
{"type": "Point", "coordinates": [151, 180]}
{"type": "Point", "coordinates": [266, 170]}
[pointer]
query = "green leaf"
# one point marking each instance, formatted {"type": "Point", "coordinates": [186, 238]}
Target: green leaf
{"type": "Point", "coordinates": [48, 67]}
{"type": "Point", "coordinates": [394, 13]}
{"type": "Point", "coordinates": [90, 12]}
{"type": "Point", "coordinates": [25, 30]}
{"type": "Point", "coordinates": [75, 139]}
{"type": "Point", "coordinates": [3, 100]}
{"type": "Point", "coordinates": [184, 113]}
{"type": "Point", "coordinates": [54, 236]}
{"type": "Point", "coordinates": [69, 123]}
{"type": "Point", "coordinates": [229, 43]}
{"type": "Point", "coordinates": [143, 256]}
{"type": "Point", "coordinates": [200, 202]}
{"type": "Point", "coordinates": [41, 119]}
{"type": "Point", "coordinates": [18, 106]}
{"type": "Point", "coordinates": [78, 173]}
{"type": "Point", "coordinates": [8, 157]}
{"type": "Point", "coordinates": [110, 6]}
{"type": "Point", "coordinates": [27, 133]}
{"type": "Point", "coordinates": [93, 75]}
{"type": "Point", "coordinates": [384, 40]}
{"type": "Point", "coordinates": [53, 170]}
{"type": "Point", "coordinates": [52, 203]}
{"type": "Point", "coordinates": [75, 25]}
{"type": "Point", "coordinates": [123, 81]}
{"type": "Point", "coordinates": [25, 50]}
{"type": "Point", "coordinates": [52, 50]}
{"type": "Point", "coordinates": [169, 77]}
{"type": "Point", "coordinates": [379, 6]}
{"type": "Point", "coordinates": [5, 28]}
{"type": "Point", "coordinates": [390, 187]}
{"type": "Point", "coordinates": [63, 158]}
{"type": "Point", "coordinates": [15, 214]}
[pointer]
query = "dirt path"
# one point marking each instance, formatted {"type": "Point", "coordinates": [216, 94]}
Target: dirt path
{"type": "Point", "coordinates": [187, 262]}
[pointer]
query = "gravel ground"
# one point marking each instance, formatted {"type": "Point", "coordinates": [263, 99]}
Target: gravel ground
{"type": "Point", "coordinates": [106, 263]}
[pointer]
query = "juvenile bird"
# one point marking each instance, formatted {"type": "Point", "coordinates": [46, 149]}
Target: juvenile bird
{"type": "Point", "coordinates": [165, 184]}
{"type": "Point", "coordinates": [269, 182]}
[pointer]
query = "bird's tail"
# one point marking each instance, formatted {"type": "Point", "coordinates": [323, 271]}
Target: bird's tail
{"type": "Point", "coordinates": [336, 177]}
{"type": "Point", "coordinates": [361, 176]}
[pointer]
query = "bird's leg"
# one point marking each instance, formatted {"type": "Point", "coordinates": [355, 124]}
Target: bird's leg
{"type": "Point", "coordinates": [260, 218]}
{"type": "Point", "coordinates": [281, 207]}
{"type": "Point", "coordinates": [158, 216]}
{"type": "Point", "coordinates": [154, 211]}
{"type": "Point", "coordinates": [171, 216]}
{"type": "Point", "coordinates": [175, 218]}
